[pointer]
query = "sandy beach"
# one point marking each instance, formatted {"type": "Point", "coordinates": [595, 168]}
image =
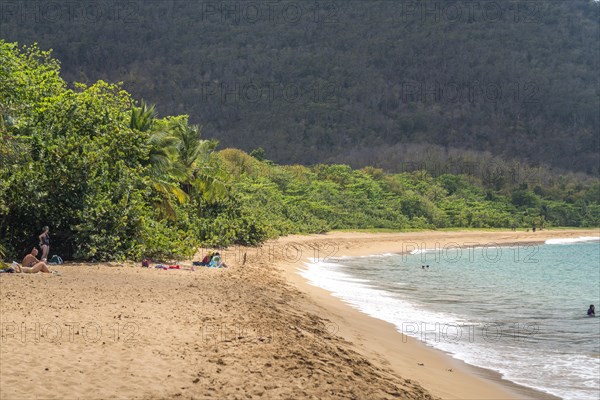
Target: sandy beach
{"type": "Point", "coordinates": [253, 330]}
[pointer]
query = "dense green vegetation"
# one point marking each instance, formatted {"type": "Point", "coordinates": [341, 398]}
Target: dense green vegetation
{"type": "Point", "coordinates": [115, 181]}
{"type": "Point", "coordinates": [347, 81]}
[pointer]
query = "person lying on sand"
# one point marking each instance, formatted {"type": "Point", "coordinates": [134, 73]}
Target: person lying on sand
{"type": "Point", "coordinates": [206, 260]}
{"type": "Point", "coordinates": [32, 265]}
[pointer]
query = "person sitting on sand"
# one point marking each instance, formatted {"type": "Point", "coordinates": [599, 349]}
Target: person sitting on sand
{"type": "Point", "coordinates": [591, 311]}
{"type": "Point", "coordinates": [216, 262]}
{"type": "Point", "coordinates": [31, 264]}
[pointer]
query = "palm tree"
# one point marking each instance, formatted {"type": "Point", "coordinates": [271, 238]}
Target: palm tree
{"type": "Point", "coordinates": [202, 175]}
{"type": "Point", "coordinates": [162, 171]}
{"type": "Point", "coordinates": [179, 161]}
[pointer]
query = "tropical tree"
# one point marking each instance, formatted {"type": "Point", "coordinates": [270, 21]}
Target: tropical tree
{"type": "Point", "coordinates": [163, 174]}
{"type": "Point", "coordinates": [180, 163]}
{"type": "Point", "coordinates": [203, 175]}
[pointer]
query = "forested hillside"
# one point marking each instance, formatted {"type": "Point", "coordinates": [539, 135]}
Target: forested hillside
{"type": "Point", "coordinates": [360, 82]}
{"type": "Point", "coordinates": [113, 180]}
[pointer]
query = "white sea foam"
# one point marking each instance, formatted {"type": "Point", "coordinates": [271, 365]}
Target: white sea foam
{"type": "Point", "coordinates": [382, 255]}
{"type": "Point", "coordinates": [423, 251]}
{"type": "Point", "coordinates": [372, 301]}
{"type": "Point", "coordinates": [470, 341]}
{"type": "Point", "coordinates": [573, 240]}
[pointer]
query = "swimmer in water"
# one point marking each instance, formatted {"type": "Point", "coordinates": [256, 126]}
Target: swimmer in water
{"type": "Point", "coordinates": [591, 311]}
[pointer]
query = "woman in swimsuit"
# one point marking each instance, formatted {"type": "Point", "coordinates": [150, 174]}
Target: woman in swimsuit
{"type": "Point", "coordinates": [45, 243]}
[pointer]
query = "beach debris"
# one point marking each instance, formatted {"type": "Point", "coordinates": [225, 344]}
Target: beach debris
{"type": "Point", "coordinates": [449, 370]}
{"type": "Point", "coordinates": [421, 364]}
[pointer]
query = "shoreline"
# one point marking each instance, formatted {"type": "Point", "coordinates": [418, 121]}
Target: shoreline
{"type": "Point", "coordinates": [381, 340]}
{"type": "Point", "coordinates": [254, 330]}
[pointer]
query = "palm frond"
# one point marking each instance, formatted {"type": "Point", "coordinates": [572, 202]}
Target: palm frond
{"type": "Point", "coordinates": [167, 189]}
{"type": "Point", "coordinates": [142, 118]}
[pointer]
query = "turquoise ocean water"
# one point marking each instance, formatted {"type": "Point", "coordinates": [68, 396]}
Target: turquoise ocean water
{"type": "Point", "coordinates": [518, 310]}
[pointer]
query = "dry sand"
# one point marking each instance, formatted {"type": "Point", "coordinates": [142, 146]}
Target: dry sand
{"type": "Point", "coordinates": [254, 330]}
